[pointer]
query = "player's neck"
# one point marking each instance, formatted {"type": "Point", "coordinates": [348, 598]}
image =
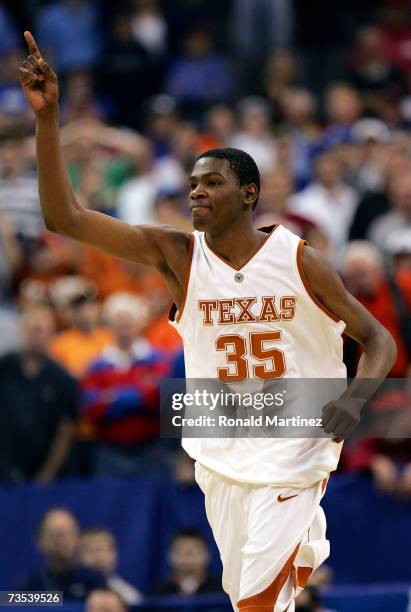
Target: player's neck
{"type": "Point", "coordinates": [236, 244]}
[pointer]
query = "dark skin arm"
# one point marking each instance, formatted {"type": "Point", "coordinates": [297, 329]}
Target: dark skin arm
{"type": "Point", "coordinates": [341, 417]}
{"type": "Point", "coordinates": [162, 248]}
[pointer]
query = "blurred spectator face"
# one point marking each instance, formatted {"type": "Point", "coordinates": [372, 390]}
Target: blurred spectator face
{"type": "Point", "coordinates": [37, 327]}
{"type": "Point", "coordinates": [298, 107]}
{"type": "Point", "coordinates": [13, 157]}
{"type": "Point", "coordinates": [189, 555]}
{"type": "Point", "coordinates": [276, 188]}
{"type": "Point", "coordinates": [185, 143]}
{"type": "Point", "coordinates": [104, 601]}
{"type": "Point", "coordinates": [221, 121]}
{"type": "Point", "coordinates": [281, 66]}
{"type": "Point", "coordinates": [328, 170]}
{"type": "Point", "coordinates": [85, 313]}
{"type": "Point", "coordinates": [342, 104]}
{"type": "Point", "coordinates": [99, 551]}
{"type": "Point", "coordinates": [370, 44]}
{"type": "Point", "coordinates": [362, 268]}
{"type": "Point", "coordinates": [167, 206]}
{"type": "Point", "coordinates": [401, 193]}
{"type": "Point", "coordinates": [127, 315]}
{"type": "Point", "coordinates": [197, 44]}
{"type": "Point", "coordinates": [59, 537]}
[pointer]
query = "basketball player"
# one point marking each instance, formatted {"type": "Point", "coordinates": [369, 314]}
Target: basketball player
{"type": "Point", "coordinates": [248, 304]}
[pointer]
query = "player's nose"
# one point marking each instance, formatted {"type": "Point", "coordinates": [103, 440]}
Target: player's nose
{"type": "Point", "coordinates": [198, 193]}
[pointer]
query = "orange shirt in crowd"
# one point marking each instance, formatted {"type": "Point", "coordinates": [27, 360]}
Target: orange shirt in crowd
{"type": "Point", "coordinates": [164, 337]}
{"type": "Point", "coordinates": [382, 307]}
{"type": "Point", "coordinates": [75, 349]}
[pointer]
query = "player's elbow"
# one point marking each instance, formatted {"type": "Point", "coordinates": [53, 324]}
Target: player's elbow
{"type": "Point", "coordinates": [388, 345]}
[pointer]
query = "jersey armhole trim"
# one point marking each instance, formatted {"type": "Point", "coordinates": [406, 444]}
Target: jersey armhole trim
{"type": "Point", "coordinates": [307, 285]}
{"type": "Point", "coordinates": [174, 313]}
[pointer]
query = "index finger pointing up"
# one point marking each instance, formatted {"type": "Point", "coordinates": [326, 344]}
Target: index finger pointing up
{"type": "Point", "coordinates": [33, 48]}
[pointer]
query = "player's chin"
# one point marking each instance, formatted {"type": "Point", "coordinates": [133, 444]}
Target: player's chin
{"type": "Point", "coordinates": [200, 224]}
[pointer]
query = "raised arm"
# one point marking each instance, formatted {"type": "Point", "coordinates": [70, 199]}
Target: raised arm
{"type": "Point", "coordinates": [162, 248]}
{"type": "Point", "coordinates": [341, 418]}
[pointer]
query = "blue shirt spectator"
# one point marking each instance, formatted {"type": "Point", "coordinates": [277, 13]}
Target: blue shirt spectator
{"type": "Point", "coordinates": [68, 33]}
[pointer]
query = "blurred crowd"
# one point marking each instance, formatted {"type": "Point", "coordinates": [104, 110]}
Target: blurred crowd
{"type": "Point", "coordinates": [321, 98]}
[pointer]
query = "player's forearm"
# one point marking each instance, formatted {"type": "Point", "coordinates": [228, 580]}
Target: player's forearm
{"type": "Point", "coordinates": [58, 203]}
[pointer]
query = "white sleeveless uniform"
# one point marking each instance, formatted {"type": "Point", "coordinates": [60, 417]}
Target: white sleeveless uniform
{"type": "Point", "coordinates": [265, 324]}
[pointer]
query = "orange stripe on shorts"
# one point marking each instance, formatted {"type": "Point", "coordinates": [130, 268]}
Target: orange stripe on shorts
{"type": "Point", "coordinates": [266, 600]}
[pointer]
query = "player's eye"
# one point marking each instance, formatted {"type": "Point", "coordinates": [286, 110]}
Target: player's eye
{"type": "Point", "coordinates": [212, 183]}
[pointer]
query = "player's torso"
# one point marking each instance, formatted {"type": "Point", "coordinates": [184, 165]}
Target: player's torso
{"type": "Point", "coordinates": [258, 321]}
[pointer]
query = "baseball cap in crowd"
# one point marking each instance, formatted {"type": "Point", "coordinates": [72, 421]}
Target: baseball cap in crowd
{"type": "Point", "coordinates": [365, 130]}
{"type": "Point", "coordinates": [73, 291]}
{"type": "Point", "coordinates": [399, 242]}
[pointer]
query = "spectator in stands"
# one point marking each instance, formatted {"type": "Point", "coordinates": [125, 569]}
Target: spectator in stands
{"type": "Point", "coordinates": [98, 550]}
{"type": "Point", "coordinates": [104, 600]}
{"type": "Point", "coordinates": [37, 406]}
{"type": "Point", "coordinates": [67, 31]}
{"type": "Point", "coordinates": [343, 108]}
{"type": "Point", "coordinates": [387, 459]}
{"type": "Point", "coordinates": [189, 559]}
{"type": "Point", "coordinates": [220, 128]}
{"type": "Point", "coordinates": [328, 202]}
{"type": "Point", "coordinates": [363, 273]}
{"type": "Point", "coordinates": [126, 60]}
{"type": "Point", "coordinates": [396, 29]}
{"type": "Point", "coordinates": [58, 541]}
{"type": "Point", "coordinates": [121, 394]}
{"type": "Point", "coordinates": [374, 205]}
{"type": "Point", "coordinates": [298, 107]}
{"type": "Point", "coordinates": [279, 74]}
{"type": "Point", "coordinates": [161, 123]}
{"type": "Point", "coordinates": [14, 110]}
{"type": "Point", "coordinates": [19, 198]}
{"type": "Point", "coordinates": [309, 601]}
{"type": "Point", "coordinates": [200, 76]}
{"type": "Point", "coordinates": [274, 205]}
{"type": "Point", "coordinates": [383, 229]}
{"type": "Point", "coordinates": [85, 338]}
{"type": "Point", "coordinates": [254, 136]}
{"type": "Point", "coordinates": [369, 154]}
{"type": "Point", "coordinates": [149, 27]}
{"type": "Point", "coordinates": [371, 71]}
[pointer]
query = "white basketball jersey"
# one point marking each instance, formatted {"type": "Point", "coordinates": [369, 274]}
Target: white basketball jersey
{"type": "Point", "coordinates": [261, 321]}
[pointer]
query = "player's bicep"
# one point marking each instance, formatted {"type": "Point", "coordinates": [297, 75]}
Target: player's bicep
{"type": "Point", "coordinates": [330, 290]}
{"type": "Point", "coordinates": [139, 243]}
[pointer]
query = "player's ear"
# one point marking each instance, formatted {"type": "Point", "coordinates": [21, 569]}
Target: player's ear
{"type": "Point", "coordinates": [250, 194]}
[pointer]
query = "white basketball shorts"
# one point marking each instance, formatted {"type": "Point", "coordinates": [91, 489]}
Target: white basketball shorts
{"type": "Point", "coordinates": [270, 539]}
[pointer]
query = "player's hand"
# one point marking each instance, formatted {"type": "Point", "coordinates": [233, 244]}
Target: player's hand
{"type": "Point", "coordinates": [38, 81]}
{"type": "Point", "coordinates": [341, 417]}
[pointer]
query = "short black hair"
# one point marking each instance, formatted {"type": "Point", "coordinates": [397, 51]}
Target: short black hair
{"type": "Point", "coordinates": [189, 533]}
{"type": "Point", "coordinates": [241, 163]}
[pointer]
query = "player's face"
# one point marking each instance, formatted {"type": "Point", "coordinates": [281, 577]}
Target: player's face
{"type": "Point", "coordinates": [216, 197]}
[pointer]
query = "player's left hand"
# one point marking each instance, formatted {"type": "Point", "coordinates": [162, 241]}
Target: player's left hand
{"type": "Point", "coordinates": [342, 416]}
